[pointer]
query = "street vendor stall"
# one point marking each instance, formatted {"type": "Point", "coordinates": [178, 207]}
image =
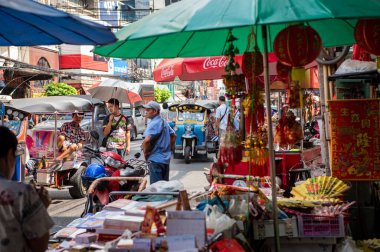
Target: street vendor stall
{"type": "Point", "coordinates": [226, 216]}
{"type": "Point", "coordinates": [296, 31]}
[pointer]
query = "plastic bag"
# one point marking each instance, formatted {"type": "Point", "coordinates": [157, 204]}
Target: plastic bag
{"type": "Point", "coordinates": [355, 66]}
{"type": "Point", "coordinates": [238, 208]}
{"type": "Point", "coordinates": [217, 221]}
{"type": "Point", "coordinates": [165, 186]}
{"type": "Point", "coordinates": [348, 245]}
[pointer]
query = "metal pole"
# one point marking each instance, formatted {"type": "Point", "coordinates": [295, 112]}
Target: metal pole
{"type": "Point", "coordinates": [325, 119]}
{"type": "Point", "coordinates": [270, 139]}
{"type": "Point", "coordinates": [55, 134]}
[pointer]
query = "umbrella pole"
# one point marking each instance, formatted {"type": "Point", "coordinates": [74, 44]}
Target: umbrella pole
{"type": "Point", "coordinates": [55, 134]}
{"type": "Point", "coordinates": [270, 139]}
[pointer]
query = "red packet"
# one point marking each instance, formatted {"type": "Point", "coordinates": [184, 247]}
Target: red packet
{"type": "Point", "coordinates": [227, 245]}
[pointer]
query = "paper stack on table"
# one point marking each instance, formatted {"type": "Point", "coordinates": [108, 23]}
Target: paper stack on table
{"type": "Point", "coordinates": [132, 223]}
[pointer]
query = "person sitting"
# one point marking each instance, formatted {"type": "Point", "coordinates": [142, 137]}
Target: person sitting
{"type": "Point", "coordinates": [24, 220]}
{"type": "Point", "coordinates": [71, 136]}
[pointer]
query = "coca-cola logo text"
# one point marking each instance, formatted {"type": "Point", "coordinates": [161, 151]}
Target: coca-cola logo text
{"type": "Point", "coordinates": [215, 62]}
{"type": "Point", "coordinates": [167, 71]}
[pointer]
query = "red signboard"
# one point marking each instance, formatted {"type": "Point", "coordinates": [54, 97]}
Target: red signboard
{"type": "Point", "coordinates": [355, 139]}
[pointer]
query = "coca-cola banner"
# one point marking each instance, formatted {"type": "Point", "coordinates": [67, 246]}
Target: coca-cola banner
{"type": "Point", "coordinates": [201, 68]}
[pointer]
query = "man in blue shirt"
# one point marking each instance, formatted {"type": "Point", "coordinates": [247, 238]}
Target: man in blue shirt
{"type": "Point", "coordinates": [159, 138]}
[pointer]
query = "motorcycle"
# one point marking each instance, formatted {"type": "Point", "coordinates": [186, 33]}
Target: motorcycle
{"type": "Point", "coordinates": [108, 172]}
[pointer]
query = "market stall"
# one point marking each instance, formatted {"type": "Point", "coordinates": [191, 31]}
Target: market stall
{"type": "Point", "coordinates": [226, 216]}
{"type": "Point", "coordinates": [295, 31]}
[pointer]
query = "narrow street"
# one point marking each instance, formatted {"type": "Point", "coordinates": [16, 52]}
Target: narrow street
{"type": "Point", "coordinates": [64, 209]}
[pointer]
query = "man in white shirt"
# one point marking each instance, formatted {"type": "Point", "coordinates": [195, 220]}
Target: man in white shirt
{"type": "Point", "coordinates": [221, 116]}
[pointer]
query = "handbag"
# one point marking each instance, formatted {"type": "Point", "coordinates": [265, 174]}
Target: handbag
{"type": "Point", "coordinates": [105, 139]}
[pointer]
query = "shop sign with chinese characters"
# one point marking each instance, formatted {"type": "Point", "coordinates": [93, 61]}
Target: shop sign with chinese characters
{"type": "Point", "coordinates": [355, 139]}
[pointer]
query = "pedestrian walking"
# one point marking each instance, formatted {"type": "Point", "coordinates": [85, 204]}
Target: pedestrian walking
{"type": "Point", "coordinates": [221, 116]}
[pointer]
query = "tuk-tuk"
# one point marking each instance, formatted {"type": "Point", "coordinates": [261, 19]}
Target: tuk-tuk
{"type": "Point", "coordinates": [17, 121]}
{"type": "Point", "coordinates": [42, 139]}
{"type": "Point", "coordinates": [190, 125]}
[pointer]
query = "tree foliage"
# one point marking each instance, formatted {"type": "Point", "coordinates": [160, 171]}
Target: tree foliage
{"type": "Point", "coordinates": [161, 95]}
{"type": "Point", "coordinates": [59, 89]}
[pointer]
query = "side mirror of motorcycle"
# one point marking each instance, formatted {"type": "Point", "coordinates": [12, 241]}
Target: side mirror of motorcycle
{"type": "Point", "coordinates": [138, 155]}
{"type": "Point", "coordinates": [94, 134]}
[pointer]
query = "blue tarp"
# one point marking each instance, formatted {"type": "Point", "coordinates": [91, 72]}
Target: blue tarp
{"type": "Point", "coordinates": [28, 23]}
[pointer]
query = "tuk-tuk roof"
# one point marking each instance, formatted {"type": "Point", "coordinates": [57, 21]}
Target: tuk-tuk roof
{"type": "Point", "coordinates": [210, 104]}
{"type": "Point", "coordinates": [207, 104]}
{"type": "Point", "coordinates": [193, 106]}
{"type": "Point", "coordinates": [51, 104]}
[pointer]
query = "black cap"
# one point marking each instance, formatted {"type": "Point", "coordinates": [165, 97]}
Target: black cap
{"type": "Point", "coordinates": [114, 101]}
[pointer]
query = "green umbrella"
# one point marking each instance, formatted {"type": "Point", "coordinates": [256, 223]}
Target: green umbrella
{"type": "Point", "coordinates": [192, 28]}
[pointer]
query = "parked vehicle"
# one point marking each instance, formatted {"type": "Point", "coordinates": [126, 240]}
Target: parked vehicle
{"type": "Point", "coordinates": [136, 116]}
{"type": "Point", "coordinates": [190, 126]}
{"type": "Point", "coordinates": [42, 139]}
{"type": "Point", "coordinates": [109, 172]}
{"type": "Point", "coordinates": [17, 121]}
{"type": "Point", "coordinates": [99, 112]}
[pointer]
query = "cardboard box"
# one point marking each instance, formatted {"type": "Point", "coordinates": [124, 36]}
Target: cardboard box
{"type": "Point", "coordinates": [263, 229]}
{"type": "Point", "coordinates": [44, 177]}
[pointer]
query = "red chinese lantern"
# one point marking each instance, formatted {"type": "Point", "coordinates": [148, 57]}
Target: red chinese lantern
{"type": "Point", "coordinates": [367, 36]}
{"type": "Point", "coordinates": [252, 64]}
{"type": "Point", "coordinates": [297, 45]}
{"type": "Point", "coordinates": [283, 71]}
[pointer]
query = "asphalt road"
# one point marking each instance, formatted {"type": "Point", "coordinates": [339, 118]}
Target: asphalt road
{"type": "Point", "coordinates": [64, 209]}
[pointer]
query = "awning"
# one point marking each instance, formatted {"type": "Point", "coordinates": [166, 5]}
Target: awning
{"type": "Point", "coordinates": [27, 73]}
{"type": "Point", "coordinates": [200, 68]}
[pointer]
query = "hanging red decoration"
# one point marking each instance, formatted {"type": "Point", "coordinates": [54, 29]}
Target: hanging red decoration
{"type": "Point", "coordinates": [297, 45]}
{"type": "Point", "coordinates": [252, 64]}
{"type": "Point", "coordinates": [283, 71]}
{"type": "Point", "coordinates": [367, 35]}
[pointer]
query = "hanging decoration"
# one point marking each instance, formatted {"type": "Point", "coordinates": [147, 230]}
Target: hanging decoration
{"type": "Point", "coordinates": [256, 141]}
{"type": "Point", "coordinates": [309, 107]}
{"type": "Point", "coordinates": [293, 95]}
{"type": "Point", "coordinates": [234, 83]}
{"type": "Point", "coordinates": [256, 147]}
{"type": "Point", "coordinates": [296, 46]}
{"type": "Point", "coordinates": [230, 148]}
{"type": "Point", "coordinates": [252, 61]}
{"type": "Point", "coordinates": [367, 36]}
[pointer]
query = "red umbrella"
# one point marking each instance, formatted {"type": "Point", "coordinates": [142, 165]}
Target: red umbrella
{"type": "Point", "coordinates": [200, 68]}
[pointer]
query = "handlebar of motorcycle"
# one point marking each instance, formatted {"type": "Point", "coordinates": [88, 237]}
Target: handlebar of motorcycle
{"type": "Point", "coordinates": [142, 181]}
{"type": "Point", "coordinates": [90, 149]}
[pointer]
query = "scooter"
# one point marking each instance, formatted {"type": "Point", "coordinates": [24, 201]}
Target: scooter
{"type": "Point", "coordinates": [109, 172]}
